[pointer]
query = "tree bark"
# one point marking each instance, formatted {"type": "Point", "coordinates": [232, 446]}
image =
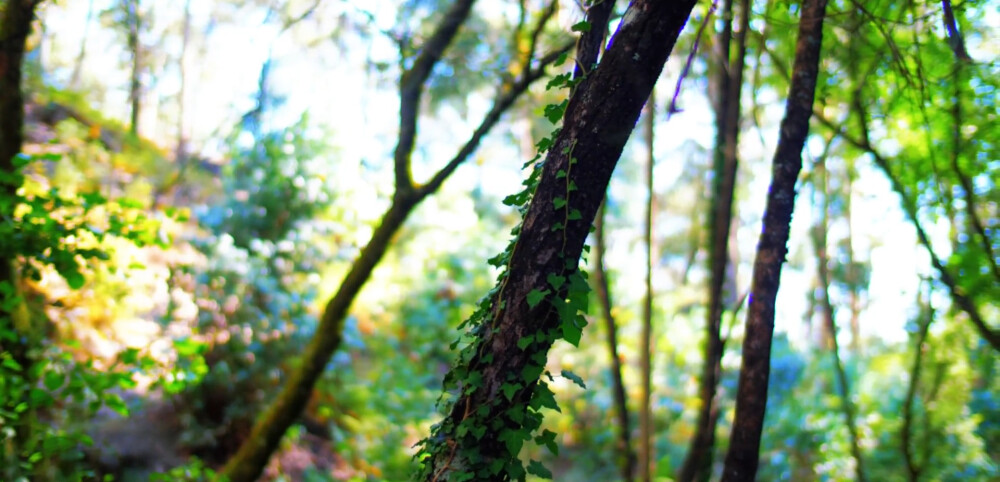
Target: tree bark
{"type": "Point", "coordinates": [270, 427]}
{"type": "Point", "coordinates": [598, 120]}
{"type": "Point", "coordinates": [603, 291]}
{"type": "Point", "coordinates": [15, 26]}
{"type": "Point", "coordinates": [646, 421]}
{"type": "Point", "coordinates": [698, 463]}
{"type": "Point", "coordinates": [751, 398]}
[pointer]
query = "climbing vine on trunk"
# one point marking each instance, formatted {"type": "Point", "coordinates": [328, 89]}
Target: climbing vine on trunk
{"type": "Point", "coordinates": [497, 388]}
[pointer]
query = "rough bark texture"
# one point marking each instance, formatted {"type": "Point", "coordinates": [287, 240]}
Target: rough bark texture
{"type": "Point", "coordinates": [253, 455]}
{"type": "Point", "coordinates": [646, 420]}
{"type": "Point", "coordinates": [602, 289]}
{"type": "Point", "coordinates": [598, 120]}
{"type": "Point", "coordinates": [751, 397]}
{"type": "Point", "coordinates": [698, 463]}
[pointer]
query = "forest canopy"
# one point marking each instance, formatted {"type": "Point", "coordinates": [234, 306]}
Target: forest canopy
{"type": "Point", "coordinates": [318, 240]}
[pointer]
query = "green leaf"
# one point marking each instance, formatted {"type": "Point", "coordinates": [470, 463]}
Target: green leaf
{"type": "Point", "coordinates": [531, 372]}
{"type": "Point", "coordinates": [74, 279]}
{"type": "Point", "coordinates": [555, 281]}
{"type": "Point", "coordinates": [574, 378]}
{"type": "Point", "coordinates": [513, 439]}
{"type": "Point", "coordinates": [573, 215]}
{"type": "Point", "coordinates": [525, 341]}
{"type": "Point", "coordinates": [536, 468]}
{"type": "Point", "coordinates": [544, 398]}
{"type": "Point", "coordinates": [548, 439]}
{"type": "Point", "coordinates": [536, 296]}
{"type": "Point", "coordinates": [509, 390]}
{"type": "Point", "coordinates": [115, 403]}
{"type": "Point", "coordinates": [558, 202]}
{"type": "Point", "coordinates": [583, 26]}
{"type": "Point", "coordinates": [571, 333]}
{"type": "Point", "coordinates": [53, 380]}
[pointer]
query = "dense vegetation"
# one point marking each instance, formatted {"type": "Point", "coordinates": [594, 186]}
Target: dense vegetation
{"type": "Point", "coordinates": [326, 240]}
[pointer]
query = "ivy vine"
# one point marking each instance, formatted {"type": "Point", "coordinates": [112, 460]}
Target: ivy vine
{"type": "Point", "coordinates": [526, 393]}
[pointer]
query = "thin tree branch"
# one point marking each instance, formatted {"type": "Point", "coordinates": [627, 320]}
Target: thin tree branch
{"type": "Point", "coordinates": [603, 291]}
{"type": "Point", "coordinates": [500, 105]}
{"type": "Point", "coordinates": [411, 89]}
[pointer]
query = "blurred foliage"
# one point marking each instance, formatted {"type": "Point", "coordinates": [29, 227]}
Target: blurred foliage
{"type": "Point", "coordinates": [46, 391]}
{"type": "Point", "coordinates": [255, 292]}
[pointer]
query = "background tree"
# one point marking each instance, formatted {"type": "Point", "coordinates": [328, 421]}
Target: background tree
{"type": "Point", "coordinates": [751, 398]}
{"type": "Point", "coordinates": [728, 83]}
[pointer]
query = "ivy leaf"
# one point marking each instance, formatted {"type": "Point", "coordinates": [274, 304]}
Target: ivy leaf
{"type": "Point", "coordinates": [536, 296]}
{"type": "Point", "coordinates": [583, 26]}
{"type": "Point", "coordinates": [574, 378]}
{"type": "Point", "coordinates": [544, 398]}
{"type": "Point", "coordinates": [525, 341]}
{"type": "Point", "coordinates": [531, 372]}
{"type": "Point", "coordinates": [558, 202]}
{"type": "Point", "coordinates": [574, 215]}
{"type": "Point", "coordinates": [571, 332]}
{"type": "Point", "coordinates": [555, 280]}
{"type": "Point", "coordinates": [548, 439]}
{"type": "Point", "coordinates": [509, 390]}
{"type": "Point", "coordinates": [513, 439]}
{"type": "Point", "coordinates": [536, 468]}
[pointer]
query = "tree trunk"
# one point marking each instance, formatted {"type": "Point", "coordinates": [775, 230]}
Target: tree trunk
{"type": "Point", "coordinates": [821, 185]}
{"type": "Point", "coordinates": [74, 78]}
{"type": "Point", "coordinates": [498, 406]}
{"type": "Point", "coordinates": [135, 50]}
{"type": "Point", "coordinates": [698, 463]}
{"type": "Point", "coordinates": [751, 397]}
{"type": "Point", "coordinates": [914, 469]}
{"type": "Point", "coordinates": [603, 290]}
{"type": "Point", "coordinates": [646, 421]}
{"type": "Point", "coordinates": [15, 26]}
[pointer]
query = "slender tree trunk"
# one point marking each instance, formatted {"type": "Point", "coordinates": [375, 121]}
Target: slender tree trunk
{"type": "Point", "coordinates": [830, 326]}
{"type": "Point", "coordinates": [74, 78]}
{"type": "Point", "coordinates": [853, 273]}
{"type": "Point", "coordinates": [180, 153]}
{"type": "Point", "coordinates": [751, 398]}
{"type": "Point", "coordinates": [698, 463]}
{"type": "Point", "coordinates": [603, 290]}
{"type": "Point", "coordinates": [135, 50]}
{"type": "Point", "coordinates": [499, 378]}
{"type": "Point", "coordinates": [646, 421]}
{"type": "Point", "coordinates": [270, 427]}
{"type": "Point", "coordinates": [914, 468]}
